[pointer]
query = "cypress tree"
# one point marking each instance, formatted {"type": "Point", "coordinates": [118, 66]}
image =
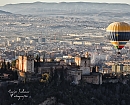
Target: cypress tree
{"type": "Point", "coordinates": [8, 65]}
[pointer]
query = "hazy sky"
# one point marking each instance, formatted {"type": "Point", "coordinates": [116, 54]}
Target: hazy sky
{"type": "Point", "coordinates": [3, 2]}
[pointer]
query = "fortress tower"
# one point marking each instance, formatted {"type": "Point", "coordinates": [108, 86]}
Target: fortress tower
{"type": "Point", "coordinates": [26, 63]}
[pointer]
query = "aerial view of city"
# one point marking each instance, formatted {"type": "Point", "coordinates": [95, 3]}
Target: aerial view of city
{"type": "Point", "coordinates": [64, 52]}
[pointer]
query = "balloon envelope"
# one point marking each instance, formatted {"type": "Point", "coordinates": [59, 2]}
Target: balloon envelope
{"type": "Point", "coordinates": [119, 34]}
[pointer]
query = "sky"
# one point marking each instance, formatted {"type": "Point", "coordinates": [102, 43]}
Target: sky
{"type": "Point", "coordinates": [4, 2]}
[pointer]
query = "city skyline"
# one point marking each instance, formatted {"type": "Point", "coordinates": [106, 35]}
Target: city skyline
{"type": "Point", "coordinates": [3, 2]}
{"type": "Point", "coordinates": [67, 53]}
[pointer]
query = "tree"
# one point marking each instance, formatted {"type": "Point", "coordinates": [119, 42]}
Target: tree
{"type": "Point", "coordinates": [38, 58]}
{"type": "Point", "coordinates": [51, 73]}
{"type": "Point", "coordinates": [8, 65]}
{"type": "Point", "coordinates": [37, 62]}
{"type": "Point", "coordinates": [3, 65]}
{"type": "Point", "coordinates": [13, 63]}
{"type": "Point", "coordinates": [123, 102]}
{"type": "Point", "coordinates": [15, 74]}
{"type": "Point", "coordinates": [44, 57]}
{"type": "Point", "coordinates": [62, 77]}
{"type": "Point", "coordinates": [55, 75]}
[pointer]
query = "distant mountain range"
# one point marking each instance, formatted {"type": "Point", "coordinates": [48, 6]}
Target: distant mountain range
{"type": "Point", "coordinates": [4, 12]}
{"type": "Point", "coordinates": [66, 8]}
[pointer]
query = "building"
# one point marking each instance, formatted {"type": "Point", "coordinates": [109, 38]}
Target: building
{"type": "Point", "coordinates": [41, 40]}
{"type": "Point", "coordinates": [26, 63]}
{"type": "Point", "coordinates": [84, 63]}
{"type": "Point", "coordinates": [74, 75]}
{"type": "Point", "coordinates": [94, 78]}
{"type": "Point", "coordinates": [18, 39]}
{"type": "Point", "coordinates": [117, 68]}
{"type": "Point", "coordinates": [89, 74]}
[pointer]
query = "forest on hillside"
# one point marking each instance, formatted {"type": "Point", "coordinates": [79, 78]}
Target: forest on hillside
{"type": "Point", "coordinates": [68, 94]}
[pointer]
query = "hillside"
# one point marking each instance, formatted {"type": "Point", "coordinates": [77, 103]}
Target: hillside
{"type": "Point", "coordinates": [65, 8]}
{"type": "Point", "coordinates": [68, 94]}
{"type": "Point", "coordinates": [4, 12]}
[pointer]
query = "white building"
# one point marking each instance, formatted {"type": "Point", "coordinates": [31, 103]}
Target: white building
{"type": "Point", "coordinates": [18, 39]}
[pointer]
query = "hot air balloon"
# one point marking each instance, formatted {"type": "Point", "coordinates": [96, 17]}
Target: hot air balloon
{"type": "Point", "coordinates": [119, 34]}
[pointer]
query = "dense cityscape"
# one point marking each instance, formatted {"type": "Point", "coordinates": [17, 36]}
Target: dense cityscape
{"type": "Point", "coordinates": [62, 58]}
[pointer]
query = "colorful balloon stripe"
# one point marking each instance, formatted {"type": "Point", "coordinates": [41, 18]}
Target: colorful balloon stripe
{"type": "Point", "coordinates": [119, 34]}
{"type": "Point", "coordinates": [118, 27]}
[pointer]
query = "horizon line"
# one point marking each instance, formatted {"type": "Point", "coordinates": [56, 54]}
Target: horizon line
{"type": "Point", "coordinates": [63, 2]}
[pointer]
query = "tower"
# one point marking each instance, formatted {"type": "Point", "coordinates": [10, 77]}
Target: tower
{"type": "Point", "coordinates": [84, 63]}
{"type": "Point", "coordinates": [26, 63]}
